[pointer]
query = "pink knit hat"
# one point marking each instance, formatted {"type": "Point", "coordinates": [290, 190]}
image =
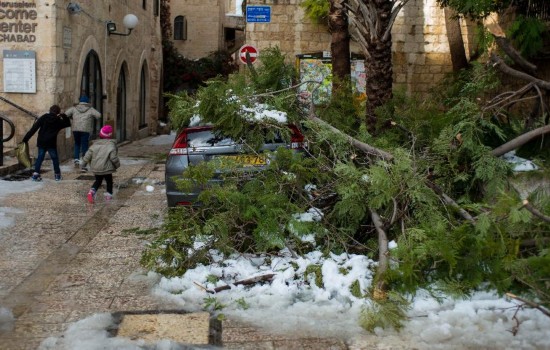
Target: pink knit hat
{"type": "Point", "coordinates": [106, 132]}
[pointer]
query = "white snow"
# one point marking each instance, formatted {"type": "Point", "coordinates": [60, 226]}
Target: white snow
{"type": "Point", "coordinates": [520, 164]}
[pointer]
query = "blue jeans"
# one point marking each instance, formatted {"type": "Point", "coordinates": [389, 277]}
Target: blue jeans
{"type": "Point", "coordinates": [81, 139]}
{"type": "Point", "coordinates": [40, 159]}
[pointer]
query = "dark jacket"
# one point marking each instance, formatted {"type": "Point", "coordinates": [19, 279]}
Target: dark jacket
{"type": "Point", "coordinates": [48, 125]}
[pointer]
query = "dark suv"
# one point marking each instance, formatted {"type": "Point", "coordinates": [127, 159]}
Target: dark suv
{"type": "Point", "coordinates": [198, 144]}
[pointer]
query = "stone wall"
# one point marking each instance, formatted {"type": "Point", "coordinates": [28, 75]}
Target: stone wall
{"type": "Point", "coordinates": [204, 26]}
{"type": "Point", "coordinates": [421, 51]}
{"type": "Point", "coordinates": [62, 40]}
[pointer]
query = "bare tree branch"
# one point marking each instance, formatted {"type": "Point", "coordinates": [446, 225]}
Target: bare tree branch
{"type": "Point", "coordinates": [530, 303]}
{"type": "Point", "coordinates": [520, 140]}
{"type": "Point", "coordinates": [535, 211]}
{"type": "Point", "coordinates": [499, 63]}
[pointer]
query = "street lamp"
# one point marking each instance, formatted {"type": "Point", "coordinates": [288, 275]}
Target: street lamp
{"type": "Point", "coordinates": [130, 21]}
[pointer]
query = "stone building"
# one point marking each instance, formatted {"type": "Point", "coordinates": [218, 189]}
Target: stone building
{"type": "Point", "coordinates": [201, 27]}
{"type": "Point", "coordinates": [55, 51]}
{"type": "Point", "coordinates": [420, 46]}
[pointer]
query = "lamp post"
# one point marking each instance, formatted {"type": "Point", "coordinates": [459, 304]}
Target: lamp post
{"type": "Point", "coordinates": [130, 21]}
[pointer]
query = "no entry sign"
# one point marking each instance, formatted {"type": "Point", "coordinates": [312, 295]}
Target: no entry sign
{"type": "Point", "coordinates": [252, 52]}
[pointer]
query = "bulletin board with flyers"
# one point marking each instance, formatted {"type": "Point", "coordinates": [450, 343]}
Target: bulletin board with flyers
{"type": "Point", "coordinates": [318, 68]}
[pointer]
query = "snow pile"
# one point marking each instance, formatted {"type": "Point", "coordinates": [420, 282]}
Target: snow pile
{"type": "Point", "coordinates": [290, 302]}
{"type": "Point", "coordinates": [520, 164]}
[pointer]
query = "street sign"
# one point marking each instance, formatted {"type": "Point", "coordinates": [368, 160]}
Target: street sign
{"type": "Point", "coordinates": [258, 14]}
{"type": "Point", "coordinates": [252, 52]}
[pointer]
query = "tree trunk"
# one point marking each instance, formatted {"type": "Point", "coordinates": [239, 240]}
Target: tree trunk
{"type": "Point", "coordinates": [456, 43]}
{"type": "Point", "coordinates": [379, 71]}
{"type": "Point", "coordinates": [339, 46]}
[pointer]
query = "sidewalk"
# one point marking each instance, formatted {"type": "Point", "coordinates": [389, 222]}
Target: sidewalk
{"type": "Point", "coordinates": [63, 260]}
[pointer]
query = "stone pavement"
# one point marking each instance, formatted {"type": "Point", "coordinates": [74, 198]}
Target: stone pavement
{"type": "Point", "coordinates": [64, 260]}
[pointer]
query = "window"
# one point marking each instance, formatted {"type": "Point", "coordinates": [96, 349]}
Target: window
{"type": "Point", "coordinates": [144, 4]}
{"type": "Point", "coordinates": [156, 7]}
{"type": "Point", "coordinates": [180, 28]}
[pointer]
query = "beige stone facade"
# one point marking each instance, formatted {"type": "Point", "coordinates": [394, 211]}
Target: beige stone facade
{"type": "Point", "coordinates": [75, 55]}
{"type": "Point", "coordinates": [420, 46]}
{"type": "Point", "coordinates": [203, 20]}
{"type": "Point", "coordinates": [210, 26]}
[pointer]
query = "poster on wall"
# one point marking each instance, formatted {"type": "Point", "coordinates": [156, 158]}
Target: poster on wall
{"type": "Point", "coordinates": [317, 70]}
{"type": "Point", "coordinates": [19, 71]}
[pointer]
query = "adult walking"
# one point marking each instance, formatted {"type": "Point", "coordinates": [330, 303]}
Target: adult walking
{"type": "Point", "coordinates": [48, 126]}
{"type": "Point", "coordinates": [84, 117]}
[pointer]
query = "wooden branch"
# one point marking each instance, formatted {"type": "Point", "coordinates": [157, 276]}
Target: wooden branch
{"type": "Point", "coordinates": [505, 45]}
{"type": "Point", "coordinates": [246, 282]}
{"type": "Point", "coordinates": [383, 252]}
{"type": "Point", "coordinates": [356, 143]}
{"type": "Point", "coordinates": [448, 200]}
{"type": "Point", "coordinates": [530, 303]}
{"type": "Point", "coordinates": [520, 140]}
{"type": "Point", "coordinates": [535, 211]}
{"type": "Point", "coordinates": [499, 63]}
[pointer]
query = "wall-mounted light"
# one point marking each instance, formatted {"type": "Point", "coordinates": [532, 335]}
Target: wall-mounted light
{"type": "Point", "coordinates": [130, 21]}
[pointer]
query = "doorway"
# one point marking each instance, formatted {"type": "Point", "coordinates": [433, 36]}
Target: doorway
{"type": "Point", "coordinates": [121, 107]}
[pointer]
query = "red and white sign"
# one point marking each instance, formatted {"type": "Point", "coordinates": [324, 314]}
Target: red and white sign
{"type": "Point", "coordinates": [252, 52]}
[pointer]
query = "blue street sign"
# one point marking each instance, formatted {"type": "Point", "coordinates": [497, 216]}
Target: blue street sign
{"type": "Point", "coordinates": [258, 14]}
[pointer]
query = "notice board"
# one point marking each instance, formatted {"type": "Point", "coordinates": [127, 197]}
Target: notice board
{"type": "Point", "coordinates": [20, 71]}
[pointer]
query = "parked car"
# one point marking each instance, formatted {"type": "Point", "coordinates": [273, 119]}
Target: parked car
{"type": "Point", "coordinates": [198, 144]}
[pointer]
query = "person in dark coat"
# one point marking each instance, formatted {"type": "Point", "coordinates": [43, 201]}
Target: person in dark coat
{"type": "Point", "coordinates": [48, 126]}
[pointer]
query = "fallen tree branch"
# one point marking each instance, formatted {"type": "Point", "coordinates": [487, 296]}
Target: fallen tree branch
{"type": "Point", "coordinates": [356, 143]}
{"type": "Point", "coordinates": [535, 211]}
{"type": "Point", "coordinates": [451, 202]}
{"type": "Point", "coordinates": [383, 254]}
{"type": "Point", "coordinates": [530, 303]}
{"type": "Point", "coordinates": [246, 282]}
{"type": "Point", "coordinates": [520, 140]}
{"type": "Point", "coordinates": [499, 63]}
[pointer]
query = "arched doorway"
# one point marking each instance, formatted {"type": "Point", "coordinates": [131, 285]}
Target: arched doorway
{"type": "Point", "coordinates": [121, 106]}
{"type": "Point", "coordinates": [143, 96]}
{"type": "Point", "coordinates": [92, 85]}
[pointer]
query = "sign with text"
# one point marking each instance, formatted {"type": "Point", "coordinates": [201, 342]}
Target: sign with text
{"type": "Point", "coordinates": [258, 14]}
{"type": "Point", "coordinates": [20, 71]}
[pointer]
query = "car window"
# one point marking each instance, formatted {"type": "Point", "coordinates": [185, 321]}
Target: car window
{"type": "Point", "coordinates": [207, 139]}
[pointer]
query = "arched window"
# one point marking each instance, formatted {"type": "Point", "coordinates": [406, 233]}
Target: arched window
{"type": "Point", "coordinates": [180, 28]}
{"type": "Point", "coordinates": [121, 106]}
{"type": "Point", "coordinates": [143, 98]}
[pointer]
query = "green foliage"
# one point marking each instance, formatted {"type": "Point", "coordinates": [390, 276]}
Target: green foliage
{"type": "Point", "coordinates": [316, 10]}
{"type": "Point", "coordinates": [476, 8]}
{"type": "Point", "coordinates": [527, 35]}
{"type": "Point", "coordinates": [315, 271]}
{"type": "Point", "coordinates": [442, 142]}
{"type": "Point", "coordinates": [386, 313]}
{"type": "Point", "coordinates": [212, 304]}
{"type": "Point", "coordinates": [241, 302]}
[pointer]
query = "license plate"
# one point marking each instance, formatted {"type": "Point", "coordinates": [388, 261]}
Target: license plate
{"type": "Point", "coordinates": [246, 159]}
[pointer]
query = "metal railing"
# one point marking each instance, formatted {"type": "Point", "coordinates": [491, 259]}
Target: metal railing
{"type": "Point", "coordinates": [4, 119]}
{"type": "Point", "coordinates": [12, 132]}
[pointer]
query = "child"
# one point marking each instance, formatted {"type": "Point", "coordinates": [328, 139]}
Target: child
{"type": "Point", "coordinates": [103, 159]}
{"type": "Point", "coordinates": [48, 127]}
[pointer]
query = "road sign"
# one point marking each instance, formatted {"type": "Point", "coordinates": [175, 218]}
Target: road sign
{"type": "Point", "coordinates": [252, 52]}
{"type": "Point", "coordinates": [258, 14]}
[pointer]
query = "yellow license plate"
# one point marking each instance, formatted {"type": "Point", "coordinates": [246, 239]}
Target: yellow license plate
{"type": "Point", "coordinates": [246, 159]}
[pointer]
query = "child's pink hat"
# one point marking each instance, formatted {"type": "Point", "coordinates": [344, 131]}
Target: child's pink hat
{"type": "Point", "coordinates": [106, 132]}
